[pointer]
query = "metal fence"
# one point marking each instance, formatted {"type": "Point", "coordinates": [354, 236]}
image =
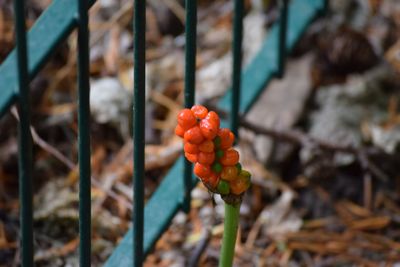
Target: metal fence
{"type": "Point", "coordinates": [150, 221]}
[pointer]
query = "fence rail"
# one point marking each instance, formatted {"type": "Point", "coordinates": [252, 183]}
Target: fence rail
{"type": "Point", "coordinates": [150, 221]}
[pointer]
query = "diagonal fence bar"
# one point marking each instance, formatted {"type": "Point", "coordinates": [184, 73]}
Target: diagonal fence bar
{"type": "Point", "coordinates": [190, 80]}
{"type": "Point", "coordinates": [24, 139]}
{"type": "Point", "coordinates": [138, 130]}
{"type": "Point", "coordinates": [50, 30]}
{"type": "Point", "coordinates": [84, 136]}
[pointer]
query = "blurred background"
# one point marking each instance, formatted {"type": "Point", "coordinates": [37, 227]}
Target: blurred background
{"type": "Point", "coordinates": [324, 156]}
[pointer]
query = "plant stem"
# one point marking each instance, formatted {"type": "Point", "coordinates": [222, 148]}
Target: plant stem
{"type": "Point", "coordinates": [230, 231]}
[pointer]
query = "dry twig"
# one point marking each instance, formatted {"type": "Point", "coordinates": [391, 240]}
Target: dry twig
{"type": "Point", "coordinates": [297, 137]}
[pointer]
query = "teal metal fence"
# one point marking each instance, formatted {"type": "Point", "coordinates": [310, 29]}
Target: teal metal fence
{"type": "Point", "coordinates": [149, 222]}
{"type": "Point", "coordinates": [24, 139]}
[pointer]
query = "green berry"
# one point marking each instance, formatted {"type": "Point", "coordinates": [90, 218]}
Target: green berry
{"type": "Point", "coordinates": [239, 166]}
{"type": "Point", "coordinates": [219, 154]}
{"type": "Point", "coordinates": [245, 173]}
{"type": "Point", "coordinates": [217, 141]}
{"type": "Point", "coordinates": [223, 187]}
{"type": "Point", "coordinates": [217, 167]}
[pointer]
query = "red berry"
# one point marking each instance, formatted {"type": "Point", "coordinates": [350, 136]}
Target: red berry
{"type": "Point", "coordinates": [191, 157]}
{"type": "Point", "coordinates": [207, 146]}
{"type": "Point", "coordinates": [193, 135]}
{"type": "Point", "coordinates": [199, 111]}
{"type": "Point", "coordinates": [241, 184]}
{"type": "Point", "coordinates": [208, 129]}
{"type": "Point", "coordinates": [230, 157]}
{"type": "Point", "coordinates": [213, 118]}
{"type": "Point", "coordinates": [186, 119]}
{"type": "Point", "coordinates": [227, 138]}
{"type": "Point", "coordinates": [179, 131]}
{"type": "Point", "coordinates": [202, 171]}
{"type": "Point", "coordinates": [213, 180]}
{"type": "Point", "coordinates": [229, 173]}
{"type": "Point", "coordinates": [190, 148]}
{"type": "Point", "coordinates": [206, 158]}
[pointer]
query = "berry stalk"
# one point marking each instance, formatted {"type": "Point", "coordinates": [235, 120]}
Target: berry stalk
{"type": "Point", "coordinates": [217, 165]}
{"type": "Point", "coordinates": [231, 224]}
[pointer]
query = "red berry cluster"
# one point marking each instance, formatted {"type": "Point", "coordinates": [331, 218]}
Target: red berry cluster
{"type": "Point", "coordinates": [210, 148]}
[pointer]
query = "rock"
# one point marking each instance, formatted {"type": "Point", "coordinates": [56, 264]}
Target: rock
{"type": "Point", "coordinates": [159, 73]}
{"type": "Point", "coordinates": [111, 103]}
{"type": "Point", "coordinates": [215, 78]}
{"type": "Point", "coordinates": [343, 108]}
{"type": "Point", "coordinates": [281, 104]}
{"type": "Point", "coordinates": [219, 206]}
{"type": "Point", "coordinates": [109, 7]}
{"type": "Point", "coordinates": [262, 5]}
{"type": "Point", "coordinates": [199, 193]}
{"type": "Point", "coordinates": [254, 33]}
{"type": "Point", "coordinates": [180, 218]}
{"type": "Point", "coordinates": [55, 200]}
{"type": "Point", "coordinates": [391, 8]}
{"type": "Point", "coordinates": [120, 38]}
{"type": "Point", "coordinates": [386, 138]}
{"type": "Point", "coordinates": [279, 219]}
{"type": "Point", "coordinates": [352, 12]}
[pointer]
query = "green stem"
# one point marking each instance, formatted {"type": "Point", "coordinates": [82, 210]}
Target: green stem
{"type": "Point", "coordinates": [230, 231]}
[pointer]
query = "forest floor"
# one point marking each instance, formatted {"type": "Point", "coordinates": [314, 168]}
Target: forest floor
{"type": "Point", "coordinates": [322, 143]}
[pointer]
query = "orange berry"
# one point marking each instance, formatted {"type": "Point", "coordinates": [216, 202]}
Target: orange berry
{"type": "Point", "coordinates": [208, 129]}
{"type": "Point", "coordinates": [190, 148]}
{"type": "Point", "coordinates": [207, 146]}
{"type": "Point", "coordinates": [213, 118]}
{"type": "Point", "coordinates": [230, 157]}
{"type": "Point", "coordinates": [193, 135]}
{"type": "Point", "coordinates": [223, 133]}
{"type": "Point", "coordinates": [227, 138]}
{"type": "Point", "coordinates": [191, 157]}
{"type": "Point", "coordinates": [213, 180]}
{"type": "Point", "coordinates": [206, 158]}
{"type": "Point", "coordinates": [186, 119]}
{"type": "Point", "coordinates": [179, 131]}
{"type": "Point", "coordinates": [239, 185]}
{"type": "Point", "coordinates": [229, 173]}
{"type": "Point", "coordinates": [199, 111]}
{"type": "Point", "coordinates": [202, 171]}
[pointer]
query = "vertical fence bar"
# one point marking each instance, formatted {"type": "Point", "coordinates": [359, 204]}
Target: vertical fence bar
{"type": "Point", "coordinates": [190, 79]}
{"type": "Point", "coordinates": [325, 8]}
{"type": "Point", "coordinates": [237, 64]}
{"type": "Point", "coordinates": [84, 135]}
{"type": "Point", "coordinates": [282, 37]}
{"type": "Point", "coordinates": [24, 139]}
{"type": "Point", "coordinates": [138, 130]}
